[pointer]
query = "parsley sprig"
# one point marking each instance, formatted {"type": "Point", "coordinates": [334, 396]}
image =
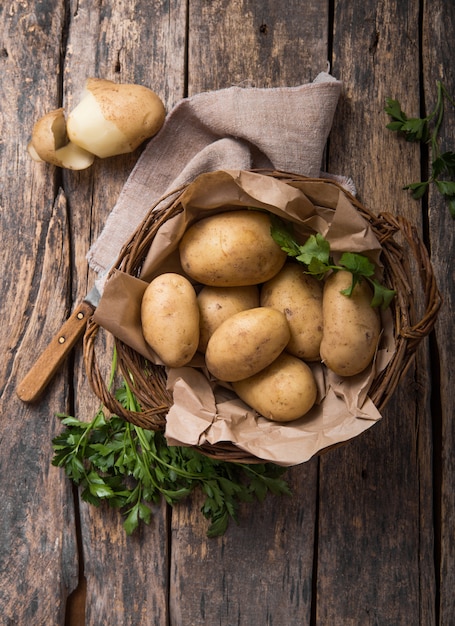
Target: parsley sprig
{"type": "Point", "coordinates": [129, 467]}
{"type": "Point", "coordinates": [426, 131]}
{"type": "Point", "coordinates": [315, 255]}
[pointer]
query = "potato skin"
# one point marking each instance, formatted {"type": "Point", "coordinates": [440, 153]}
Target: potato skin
{"type": "Point", "coordinates": [216, 304]}
{"type": "Point", "coordinates": [246, 342]}
{"type": "Point", "coordinates": [283, 391]}
{"type": "Point", "coordinates": [351, 326]}
{"type": "Point", "coordinates": [299, 297]}
{"type": "Point", "coordinates": [231, 249]}
{"type": "Point", "coordinates": [170, 319]}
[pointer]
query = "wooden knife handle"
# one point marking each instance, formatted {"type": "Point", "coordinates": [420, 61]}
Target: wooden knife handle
{"type": "Point", "coordinates": [39, 376]}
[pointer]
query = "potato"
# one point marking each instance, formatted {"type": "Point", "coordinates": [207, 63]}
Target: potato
{"type": "Point", "coordinates": [299, 297]}
{"type": "Point", "coordinates": [231, 249]}
{"type": "Point", "coordinates": [246, 342]}
{"type": "Point", "coordinates": [170, 319]}
{"type": "Point", "coordinates": [112, 118]}
{"type": "Point", "coordinates": [283, 391]}
{"type": "Point", "coordinates": [50, 143]}
{"type": "Point", "coordinates": [351, 326]}
{"type": "Point", "coordinates": [216, 304]}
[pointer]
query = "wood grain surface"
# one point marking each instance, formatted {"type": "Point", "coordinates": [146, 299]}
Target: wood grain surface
{"type": "Point", "coordinates": [367, 537]}
{"type": "Point", "coordinates": [438, 22]}
{"type": "Point", "coordinates": [382, 482]}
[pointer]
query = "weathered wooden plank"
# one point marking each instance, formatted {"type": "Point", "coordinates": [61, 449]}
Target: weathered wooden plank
{"type": "Point", "coordinates": [37, 532]}
{"type": "Point", "coordinates": [136, 42]}
{"type": "Point", "coordinates": [375, 494]}
{"type": "Point", "coordinates": [261, 571]}
{"type": "Point", "coordinates": [437, 59]}
{"type": "Point", "coordinates": [375, 538]}
{"type": "Point", "coordinates": [256, 44]}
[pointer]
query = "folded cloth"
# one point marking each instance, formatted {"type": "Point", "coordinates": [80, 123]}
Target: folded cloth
{"type": "Point", "coordinates": [283, 128]}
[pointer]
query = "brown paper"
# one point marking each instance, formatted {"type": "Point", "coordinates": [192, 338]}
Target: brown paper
{"type": "Point", "coordinates": [203, 409]}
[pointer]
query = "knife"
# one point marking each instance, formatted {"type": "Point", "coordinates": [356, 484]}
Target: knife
{"type": "Point", "coordinates": [39, 376]}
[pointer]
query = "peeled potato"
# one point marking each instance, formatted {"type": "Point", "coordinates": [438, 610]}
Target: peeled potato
{"type": "Point", "coordinates": [246, 343]}
{"type": "Point", "coordinates": [283, 391]}
{"type": "Point", "coordinates": [351, 326]}
{"type": "Point", "coordinates": [299, 297]}
{"type": "Point", "coordinates": [216, 304]}
{"type": "Point", "coordinates": [231, 249]}
{"type": "Point", "coordinates": [170, 319]}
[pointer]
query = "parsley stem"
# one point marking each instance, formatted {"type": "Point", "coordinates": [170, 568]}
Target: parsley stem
{"type": "Point", "coordinates": [132, 405]}
{"type": "Point", "coordinates": [177, 470]}
{"type": "Point", "coordinates": [140, 458]}
{"type": "Point", "coordinates": [88, 427]}
{"type": "Point", "coordinates": [439, 109]}
{"type": "Point", "coordinates": [113, 368]}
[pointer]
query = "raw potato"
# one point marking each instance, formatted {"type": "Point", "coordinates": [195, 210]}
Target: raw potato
{"type": "Point", "coordinates": [231, 249]}
{"type": "Point", "coordinates": [351, 326]}
{"type": "Point", "coordinates": [246, 343]}
{"type": "Point", "coordinates": [299, 297]}
{"type": "Point", "coordinates": [113, 119]}
{"type": "Point", "coordinates": [50, 143]}
{"type": "Point", "coordinates": [284, 391]}
{"type": "Point", "coordinates": [216, 304]}
{"type": "Point", "coordinates": [170, 319]}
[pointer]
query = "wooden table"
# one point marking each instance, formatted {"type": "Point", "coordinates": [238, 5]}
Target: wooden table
{"type": "Point", "coordinates": [368, 537]}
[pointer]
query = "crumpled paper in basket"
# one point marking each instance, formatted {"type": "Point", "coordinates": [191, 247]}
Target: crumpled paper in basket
{"type": "Point", "coordinates": [207, 411]}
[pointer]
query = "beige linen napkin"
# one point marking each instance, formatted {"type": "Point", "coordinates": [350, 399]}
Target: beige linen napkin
{"type": "Point", "coordinates": [283, 128]}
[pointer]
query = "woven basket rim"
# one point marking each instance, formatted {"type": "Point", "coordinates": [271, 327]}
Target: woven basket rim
{"type": "Point", "coordinates": [410, 328]}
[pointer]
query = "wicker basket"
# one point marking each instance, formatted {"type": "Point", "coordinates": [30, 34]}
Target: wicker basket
{"type": "Point", "coordinates": [413, 317]}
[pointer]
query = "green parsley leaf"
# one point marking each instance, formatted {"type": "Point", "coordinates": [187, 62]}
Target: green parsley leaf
{"type": "Point", "coordinates": [315, 255]}
{"type": "Point", "coordinates": [393, 108]}
{"type": "Point", "coordinates": [283, 235]}
{"type": "Point", "coordinates": [418, 189]}
{"type": "Point", "coordinates": [131, 522]}
{"type": "Point", "coordinates": [316, 248]}
{"type": "Point", "coordinates": [357, 264]}
{"type": "Point", "coordinates": [415, 129]}
{"type": "Point", "coordinates": [382, 296]}
{"type": "Point", "coordinates": [128, 467]}
{"type": "Point", "coordinates": [444, 164]}
{"type": "Point", "coordinates": [425, 130]}
{"type": "Point", "coordinates": [446, 187]}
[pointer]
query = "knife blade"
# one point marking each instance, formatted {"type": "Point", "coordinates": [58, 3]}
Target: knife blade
{"type": "Point", "coordinates": [41, 373]}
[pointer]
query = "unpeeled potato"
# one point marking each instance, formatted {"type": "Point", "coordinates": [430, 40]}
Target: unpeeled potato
{"type": "Point", "coordinates": [216, 304]}
{"type": "Point", "coordinates": [246, 342]}
{"type": "Point", "coordinates": [231, 249]}
{"type": "Point", "coordinates": [299, 296]}
{"type": "Point", "coordinates": [170, 319]}
{"type": "Point", "coordinates": [283, 391]}
{"type": "Point", "coordinates": [351, 326]}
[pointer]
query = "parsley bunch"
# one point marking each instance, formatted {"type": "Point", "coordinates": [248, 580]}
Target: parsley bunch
{"type": "Point", "coordinates": [315, 255]}
{"type": "Point", "coordinates": [129, 467]}
{"type": "Point", "coordinates": [426, 131]}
